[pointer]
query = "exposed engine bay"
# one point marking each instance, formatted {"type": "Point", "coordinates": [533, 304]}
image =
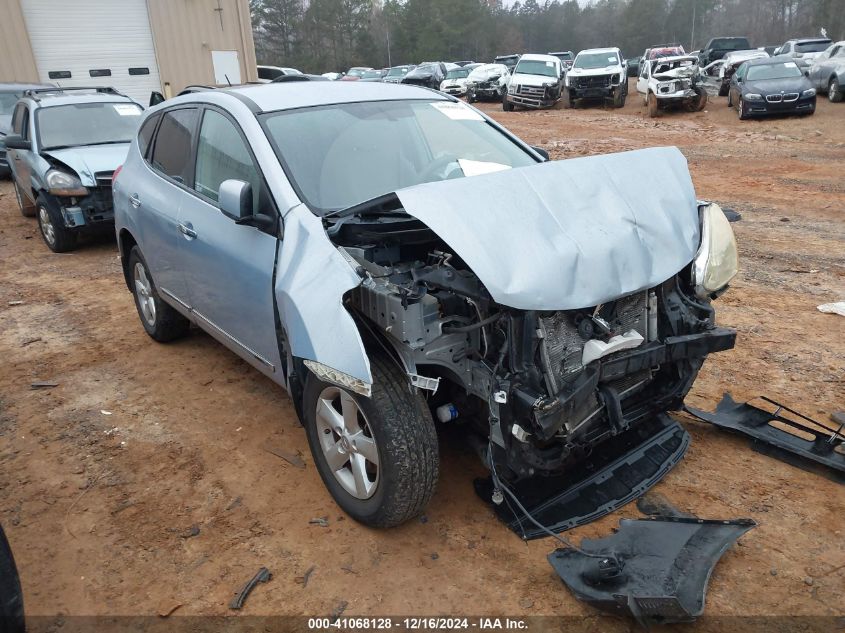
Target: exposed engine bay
{"type": "Point", "coordinates": [541, 388]}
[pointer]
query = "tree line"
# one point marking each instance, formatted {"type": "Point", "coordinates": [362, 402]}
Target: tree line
{"type": "Point", "coordinates": [332, 35]}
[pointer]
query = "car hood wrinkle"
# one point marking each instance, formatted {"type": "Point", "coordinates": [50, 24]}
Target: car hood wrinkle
{"type": "Point", "coordinates": [91, 159]}
{"type": "Point", "coordinates": [568, 234]}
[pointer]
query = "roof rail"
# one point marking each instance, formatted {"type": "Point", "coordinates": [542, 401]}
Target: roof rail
{"type": "Point", "coordinates": [35, 92]}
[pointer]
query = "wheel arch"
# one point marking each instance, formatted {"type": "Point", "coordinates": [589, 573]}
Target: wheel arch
{"type": "Point", "coordinates": [125, 242]}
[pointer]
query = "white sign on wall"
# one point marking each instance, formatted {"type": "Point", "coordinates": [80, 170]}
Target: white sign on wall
{"type": "Point", "coordinates": [227, 67]}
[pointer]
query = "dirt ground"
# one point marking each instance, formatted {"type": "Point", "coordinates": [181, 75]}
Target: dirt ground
{"type": "Point", "coordinates": [142, 481]}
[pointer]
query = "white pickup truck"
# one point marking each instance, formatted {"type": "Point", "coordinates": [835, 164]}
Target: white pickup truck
{"type": "Point", "coordinates": [536, 82]}
{"type": "Point", "coordinates": [598, 73]}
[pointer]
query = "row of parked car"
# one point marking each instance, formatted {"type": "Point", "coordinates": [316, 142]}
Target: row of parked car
{"type": "Point", "coordinates": [357, 244]}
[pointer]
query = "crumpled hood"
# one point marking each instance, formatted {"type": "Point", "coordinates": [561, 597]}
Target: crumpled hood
{"type": "Point", "coordinates": [87, 161]}
{"type": "Point", "coordinates": [568, 234]}
{"type": "Point", "coordinates": [591, 72]}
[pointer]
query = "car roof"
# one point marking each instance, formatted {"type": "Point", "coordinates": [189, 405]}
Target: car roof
{"type": "Point", "coordinates": [60, 97]}
{"type": "Point", "coordinates": [810, 40]}
{"type": "Point", "coordinates": [303, 94]}
{"type": "Point", "coordinates": [536, 57]}
{"type": "Point", "coordinates": [16, 86]}
{"type": "Point", "coordinates": [599, 50]}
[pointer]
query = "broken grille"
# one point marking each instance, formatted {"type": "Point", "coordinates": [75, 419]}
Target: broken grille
{"type": "Point", "coordinates": [531, 91]}
{"type": "Point", "coordinates": [104, 178]}
{"type": "Point", "coordinates": [600, 81]}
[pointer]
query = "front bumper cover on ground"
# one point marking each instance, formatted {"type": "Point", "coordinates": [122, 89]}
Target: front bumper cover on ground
{"type": "Point", "coordinates": [656, 569]}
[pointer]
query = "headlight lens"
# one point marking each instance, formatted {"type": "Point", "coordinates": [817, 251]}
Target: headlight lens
{"type": "Point", "coordinates": [809, 93]}
{"type": "Point", "coordinates": [716, 262]}
{"type": "Point", "coordinates": [753, 96]}
{"type": "Point", "coordinates": [61, 183]}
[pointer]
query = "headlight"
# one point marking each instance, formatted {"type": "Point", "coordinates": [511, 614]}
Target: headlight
{"type": "Point", "coordinates": [61, 183]}
{"type": "Point", "coordinates": [809, 93]}
{"type": "Point", "coordinates": [614, 79]}
{"type": "Point", "coordinates": [752, 96]}
{"type": "Point", "coordinates": [511, 90]}
{"type": "Point", "coordinates": [716, 262]}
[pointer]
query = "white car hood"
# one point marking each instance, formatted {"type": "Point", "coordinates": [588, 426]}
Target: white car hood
{"type": "Point", "coordinates": [521, 79]}
{"type": "Point", "coordinates": [590, 72]}
{"type": "Point", "coordinates": [568, 234]}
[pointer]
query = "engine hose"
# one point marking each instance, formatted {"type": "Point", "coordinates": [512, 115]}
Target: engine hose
{"type": "Point", "coordinates": [474, 326]}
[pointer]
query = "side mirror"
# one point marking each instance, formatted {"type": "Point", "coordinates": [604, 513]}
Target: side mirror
{"type": "Point", "coordinates": [156, 98]}
{"type": "Point", "coordinates": [235, 199]}
{"type": "Point", "coordinates": [14, 141]}
{"type": "Point", "coordinates": [541, 152]}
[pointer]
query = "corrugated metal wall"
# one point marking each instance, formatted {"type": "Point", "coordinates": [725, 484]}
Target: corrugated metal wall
{"type": "Point", "coordinates": [186, 31]}
{"type": "Point", "coordinates": [16, 60]}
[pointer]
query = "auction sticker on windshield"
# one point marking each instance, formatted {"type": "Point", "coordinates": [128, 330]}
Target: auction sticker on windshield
{"type": "Point", "coordinates": [457, 111]}
{"type": "Point", "coordinates": [126, 109]}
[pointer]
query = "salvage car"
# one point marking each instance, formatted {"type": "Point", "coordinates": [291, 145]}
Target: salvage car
{"type": "Point", "coordinates": [428, 74]}
{"type": "Point", "coordinates": [804, 51]}
{"type": "Point", "coordinates": [394, 75]}
{"type": "Point", "coordinates": [536, 82]}
{"type": "Point", "coordinates": [668, 82]}
{"type": "Point", "coordinates": [374, 75]}
{"type": "Point", "coordinates": [9, 95]}
{"type": "Point", "coordinates": [266, 74]}
{"type": "Point", "coordinates": [456, 80]}
{"type": "Point", "coordinates": [355, 73]}
{"type": "Point", "coordinates": [773, 85]}
{"type": "Point", "coordinates": [488, 82]}
{"type": "Point", "coordinates": [718, 47]}
{"type": "Point", "coordinates": [63, 150]}
{"type": "Point", "coordinates": [365, 247]}
{"type": "Point", "coordinates": [566, 58]}
{"type": "Point", "coordinates": [827, 72]}
{"type": "Point", "coordinates": [507, 60]}
{"type": "Point", "coordinates": [732, 62]}
{"type": "Point", "coordinates": [598, 73]}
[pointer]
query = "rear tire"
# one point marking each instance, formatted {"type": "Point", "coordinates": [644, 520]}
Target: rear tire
{"type": "Point", "coordinates": [834, 91]}
{"type": "Point", "coordinates": [160, 320]}
{"type": "Point", "coordinates": [653, 108]}
{"type": "Point", "coordinates": [394, 426]}
{"type": "Point", "coordinates": [11, 595]}
{"type": "Point", "coordinates": [723, 90]}
{"type": "Point", "coordinates": [27, 209]}
{"type": "Point", "coordinates": [51, 225]}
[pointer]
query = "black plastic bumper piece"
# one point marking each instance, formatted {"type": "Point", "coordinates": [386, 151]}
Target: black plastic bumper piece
{"type": "Point", "coordinates": [664, 566]}
{"type": "Point", "coordinates": [625, 468]}
{"type": "Point", "coordinates": [827, 448]}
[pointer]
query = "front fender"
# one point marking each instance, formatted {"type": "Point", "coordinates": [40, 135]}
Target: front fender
{"type": "Point", "coordinates": [311, 279]}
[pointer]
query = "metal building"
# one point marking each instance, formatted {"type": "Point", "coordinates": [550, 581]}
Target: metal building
{"type": "Point", "coordinates": [136, 46]}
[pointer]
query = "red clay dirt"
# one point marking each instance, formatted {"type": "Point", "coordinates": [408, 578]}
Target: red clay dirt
{"type": "Point", "coordinates": [143, 479]}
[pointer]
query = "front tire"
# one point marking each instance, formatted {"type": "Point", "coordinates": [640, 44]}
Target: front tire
{"type": "Point", "coordinates": [619, 98]}
{"type": "Point", "coordinates": [470, 96]}
{"type": "Point", "coordinates": [653, 108]}
{"type": "Point", "coordinates": [11, 596]}
{"type": "Point", "coordinates": [507, 106]}
{"type": "Point", "coordinates": [740, 109]}
{"type": "Point", "coordinates": [378, 457]}
{"type": "Point", "coordinates": [834, 91]}
{"type": "Point", "coordinates": [51, 225]}
{"type": "Point", "coordinates": [160, 320]}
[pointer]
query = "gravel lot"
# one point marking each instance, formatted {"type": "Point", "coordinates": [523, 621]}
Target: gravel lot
{"type": "Point", "coordinates": [144, 480]}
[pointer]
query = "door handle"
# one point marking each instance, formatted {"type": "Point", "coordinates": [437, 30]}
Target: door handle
{"type": "Point", "coordinates": [187, 231]}
{"type": "Point", "coordinates": [134, 200]}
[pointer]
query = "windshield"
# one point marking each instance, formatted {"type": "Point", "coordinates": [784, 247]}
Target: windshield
{"type": "Point", "coordinates": [595, 60]}
{"type": "Point", "coordinates": [341, 155]}
{"type": "Point", "coordinates": [86, 124]}
{"type": "Point", "coordinates": [783, 70]}
{"type": "Point", "coordinates": [371, 74]}
{"type": "Point", "coordinates": [397, 72]}
{"type": "Point", "coordinates": [355, 72]}
{"type": "Point", "coordinates": [536, 67]}
{"type": "Point", "coordinates": [8, 101]}
{"type": "Point", "coordinates": [457, 73]}
{"type": "Point", "coordinates": [564, 56]}
{"type": "Point", "coordinates": [811, 47]}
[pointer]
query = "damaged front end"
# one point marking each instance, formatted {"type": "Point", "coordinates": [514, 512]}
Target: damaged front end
{"type": "Point", "coordinates": [83, 206]}
{"type": "Point", "coordinates": [675, 80]}
{"type": "Point", "coordinates": [544, 341]}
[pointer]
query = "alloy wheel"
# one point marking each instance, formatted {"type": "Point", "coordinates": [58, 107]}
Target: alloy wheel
{"type": "Point", "coordinates": [347, 442]}
{"type": "Point", "coordinates": [47, 228]}
{"type": "Point", "coordinates": [144, 294]}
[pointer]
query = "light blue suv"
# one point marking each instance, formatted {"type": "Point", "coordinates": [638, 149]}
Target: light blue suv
{"type": "Point", "coordinates": [390, 255]}
{"type": "Point", "coordinates": [62, 149]}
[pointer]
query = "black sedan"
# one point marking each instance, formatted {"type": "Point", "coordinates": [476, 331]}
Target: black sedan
{"type": "Point", "coordinates": [772, 85]}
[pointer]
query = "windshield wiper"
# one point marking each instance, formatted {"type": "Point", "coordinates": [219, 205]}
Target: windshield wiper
{"type": "Point", "coordinates": [386, 203]}
{"type": "Point", "coordinates": [106, 143]}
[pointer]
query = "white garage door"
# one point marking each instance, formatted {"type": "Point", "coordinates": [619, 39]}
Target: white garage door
{"type": "Point", "coordinates": [94, 43]}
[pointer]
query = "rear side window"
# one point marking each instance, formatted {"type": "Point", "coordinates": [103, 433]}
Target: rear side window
{"type": "Point", "coordinates": [145, 135]}
{"type": "Point", "coordinates": [172, 151]}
